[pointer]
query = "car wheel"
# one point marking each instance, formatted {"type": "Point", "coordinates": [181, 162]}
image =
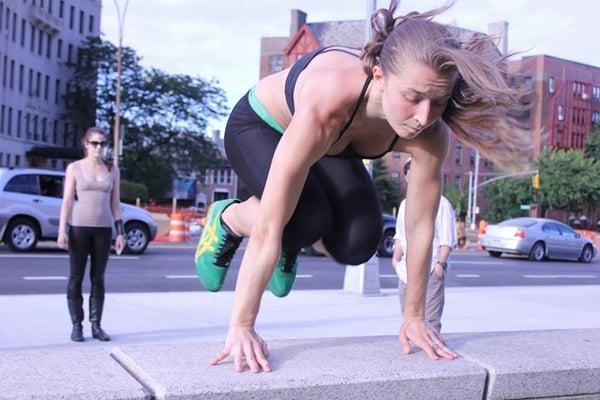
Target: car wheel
{"type": "Point", "coordinates": [537, 252]}
{"type": "Point", "coordinates": [21, 235]}
{"type": "Point", "coordinates": [386, 246]}
{"type": "Point", "coordinates": [495, 253]}
{"type": "Point", "coordinates": [137, 238]}
{"type": "Point", "coordinates": [586, 254]}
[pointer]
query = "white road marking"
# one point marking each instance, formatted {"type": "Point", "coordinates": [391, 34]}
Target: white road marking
{"type": "Point", "coordinates": [388, 276]}
{"type": "Point", "coordinates": [559, 276]}
{"type": "Point", "coordinates": [65, 256]}
{"type": "Point", "coordinates": [181, 276]}
{"type": "Point", "coordinates": [478, 262]}
{"type": "Point", "coordinates": [304, 276]}
{"type": "Point", "coordinates": [468, 276]}
{"type": "Point", "coordinates": [45, 278]}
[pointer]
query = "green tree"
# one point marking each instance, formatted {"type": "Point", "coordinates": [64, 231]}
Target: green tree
{"type": "Point", "coordinates": [569, 181]}
{"type": "Point", "coordinates": [387, 188]}
{"type": "Point", "coordinates": [164, 115]}
{"type": "Point", "coordinates": [504, 198]}
{"type": "Point", "coordinates": [592, 146]}
{"type": "Point", "coordinates": [456, 197]}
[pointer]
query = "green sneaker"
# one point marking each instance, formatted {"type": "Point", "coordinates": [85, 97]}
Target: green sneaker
{"type": "Point", "coordinates": [284, 275]}
{"type": "Point", "coordinates": [216, 247]}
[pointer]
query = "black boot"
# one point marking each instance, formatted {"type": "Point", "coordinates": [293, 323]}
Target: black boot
{"type": "Point", "coordinates": [77, 333]}
{"type": "Point", "coordinates": [96, 306]}
{"type": "Point", "coordinates": [76, 312]}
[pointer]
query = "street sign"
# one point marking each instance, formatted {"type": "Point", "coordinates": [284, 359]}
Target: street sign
{"type": "Point", "coordinates": [525, 207]}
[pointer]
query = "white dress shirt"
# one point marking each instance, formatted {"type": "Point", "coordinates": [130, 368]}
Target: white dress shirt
{"type": "Point", "coordinates": [444, 234]}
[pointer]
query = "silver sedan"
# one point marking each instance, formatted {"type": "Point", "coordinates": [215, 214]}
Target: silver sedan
{"type": "Point", "coordinates": [538, 238]}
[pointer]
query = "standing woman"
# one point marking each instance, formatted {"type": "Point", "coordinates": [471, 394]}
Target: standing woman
{"type": "Point", "coordinates": [85, 228]}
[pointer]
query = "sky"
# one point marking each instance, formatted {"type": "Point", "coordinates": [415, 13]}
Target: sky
{"type": "Point", "coordinates": [221, 39]}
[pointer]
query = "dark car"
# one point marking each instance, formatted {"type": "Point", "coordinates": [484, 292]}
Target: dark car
{"type": "Point", "coordinates": [386, 245]}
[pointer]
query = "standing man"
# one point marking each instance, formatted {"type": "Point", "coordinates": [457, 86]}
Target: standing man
{"type": "Point", "coordinates": [444, 241]}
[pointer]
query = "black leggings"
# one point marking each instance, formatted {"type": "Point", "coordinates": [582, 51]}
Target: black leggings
{"type": "Point", "coordinates": [338, 203]}
{"type": "Point", "coordinates": [84, 241]}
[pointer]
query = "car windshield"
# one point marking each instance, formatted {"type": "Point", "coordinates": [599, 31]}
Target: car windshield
{"type": "Point", "coordinates": [519, 222]}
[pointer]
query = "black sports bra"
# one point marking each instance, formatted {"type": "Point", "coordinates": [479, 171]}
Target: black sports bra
{"type": "Point", "coordinates": [290, 84]}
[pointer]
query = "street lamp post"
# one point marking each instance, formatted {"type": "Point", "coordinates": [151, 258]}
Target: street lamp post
{"type": "Point", "coordinates": [117, 126]}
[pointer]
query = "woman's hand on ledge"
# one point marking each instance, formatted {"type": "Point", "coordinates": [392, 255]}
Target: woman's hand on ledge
{"type": "Point", "coordinates": [247, 348]}
{"type": "Point", "coordinates": [418, 332]}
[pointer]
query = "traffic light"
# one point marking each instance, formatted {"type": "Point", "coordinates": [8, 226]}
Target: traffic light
{"type": "Point", "coordinates": [536, 182]}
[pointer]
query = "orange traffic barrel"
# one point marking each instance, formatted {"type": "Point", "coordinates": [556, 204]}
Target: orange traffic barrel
{"type": "Point", "coordinates": [179, 230]}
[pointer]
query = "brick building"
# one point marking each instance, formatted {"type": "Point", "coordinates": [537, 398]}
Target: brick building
{"type": "Point", "coordinates": [278, 53]}
{"type": "Point", "coordinates": [564, 100]}
{"type": "Point", "coordinates": [38, 41]}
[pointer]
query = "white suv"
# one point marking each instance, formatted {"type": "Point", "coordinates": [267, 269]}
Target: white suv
{"type": "Point", "coordinates": [30, 202]}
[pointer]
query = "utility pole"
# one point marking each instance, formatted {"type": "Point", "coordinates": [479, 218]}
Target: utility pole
{"type": "Point", "coordinates": [364, 279]}
{"type": "Point", "coordinates": [117, 126]}
{"type": "Point", "coordinates": [474, 211]}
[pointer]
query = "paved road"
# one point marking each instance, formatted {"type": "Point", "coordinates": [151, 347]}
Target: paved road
{"type": "Point", "coordinates": [170, 269]}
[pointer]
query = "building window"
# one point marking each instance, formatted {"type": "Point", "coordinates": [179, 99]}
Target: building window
{"type": "Point", "coordinates": [46, 87]}
{"type": "Point", "coordinates": [457, 182]}
{"type": "Point", "coordinates": [596, 93]}
{"type": "Point", "coordinates": [40, 41]}
{"type": "Point", "coordinates": [30, 87]}
{"type": "Point", "coordinates": [561, 113]}
{"type": "Point", "coordinates": [91, 24]}
{"type": "Point", "coordinates": [81, 21]}
{"type": "Point", "coordinates": [528, 83]}
{"type": "Point", "coordinates": [32, 39]}
{"type": "Point", "coordinates": [12, 74]}
{"type": "Point", "coordinates": [14, 28]}
{"type": "Point", "coordinates": [59, 49]}
{"type": "Point", "coordinates": [61, 9]}
{"type": "Point", "coordinates": [28, 126]}
{"type": "Point", "coordinates": [50, 6]}
{"type": "Point", "coordinates": [38, 84]}
{"type": "Point", "coordinates": [69, 53]}
{"type": "Point", "coordinates": [4, 70]}
{"type": "Point", "coordinates": [17, 160]}
{"type": "Point", "coordinates": [23, 29]}
{"type": "Point", "coordinates": [595, 117]}
{"type": "Point", "coordinates": [458, 154]}
{"type": "Point", "coordinates": [55, 132]}
{"type": "Point", "coordinates": [275, 62]}
{"type": "Point", "coordinates": [551, 87]}
{"type": "Point", "coordinates": [44, 130]}
{"type": "Point", "coordinates": [57, 91]}
{"type": "Point", "coordinates": [2, 110]}
{"type": "Point", "coordinates": [21, 73]}
{"type": "Point", "coordinates": [49, 48]}
{"type": "Point", "coordinates": [19, 116]}
{"type": "Point", "coordinates": [9, 125]}
{"type": "Point", "coordinates": [72, 17]}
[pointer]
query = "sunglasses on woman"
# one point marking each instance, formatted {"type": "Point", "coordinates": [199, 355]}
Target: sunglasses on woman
{"type": "Point", "coordinates": [96, 144]}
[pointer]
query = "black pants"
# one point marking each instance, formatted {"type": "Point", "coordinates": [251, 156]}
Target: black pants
{"type": "Point", "coordinates": [84, 241]}
{"type": "Point", "coordinates": [338, 203]}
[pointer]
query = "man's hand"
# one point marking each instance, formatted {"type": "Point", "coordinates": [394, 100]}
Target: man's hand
{"type": "Point", "coordinates": [439, 271]}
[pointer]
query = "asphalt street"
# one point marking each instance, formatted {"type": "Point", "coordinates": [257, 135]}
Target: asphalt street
{"type": "Point", "coordinates": [170, 268]}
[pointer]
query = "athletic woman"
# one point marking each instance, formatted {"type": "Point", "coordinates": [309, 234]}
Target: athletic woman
{"type": "Point", "coordinates": [85, 228]}
{"type": "Point", "coordinates": [297, 138]}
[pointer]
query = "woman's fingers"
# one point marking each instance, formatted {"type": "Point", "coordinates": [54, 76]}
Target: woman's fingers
{"type": "Point", "coordinates": [250, 357]}
{"type": "Point", "coordinates": [220, 357]}
{"type": "Point", "coordinates": [238, 361]}
{"type": "Point", "coordinates": [405, 342]}
{"type": "Point", "coordinates": [261, 357]}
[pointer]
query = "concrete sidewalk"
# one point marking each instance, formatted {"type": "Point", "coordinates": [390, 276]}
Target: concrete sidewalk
{"type": "Point", "coordinates": [35, 321]}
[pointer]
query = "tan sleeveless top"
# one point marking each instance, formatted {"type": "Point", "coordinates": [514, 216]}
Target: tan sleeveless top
{"type": "Point", "coordinates": [93, 200]}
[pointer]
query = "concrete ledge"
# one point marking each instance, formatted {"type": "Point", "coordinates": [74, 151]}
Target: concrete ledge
{"type": "Point", "coordinates": [65, 374]}
{"type": "Point", "coordinates": [345, 368]}
{"type": "Point", "coordinates": [505, 365]}
{"type": "Point", "coordinates": [537, 364]}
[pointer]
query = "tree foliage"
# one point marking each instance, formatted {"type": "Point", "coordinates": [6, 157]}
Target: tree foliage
{"type": "Point", "coordinates": [504, 198]}
{"type": "Point", "coordinates": [456, 197]}
{"type": "Point", "coordinates": [592, 146]}
{"type": "Point", "coordinates": [569, 181]}
{"type": "Point", "coordinates": [387, 188]}
{"type": "Point", "coordinates": [164, 115]}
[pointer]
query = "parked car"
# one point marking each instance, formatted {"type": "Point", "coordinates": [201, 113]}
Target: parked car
{"type": "Point", "coordinates": [386, 245]}
{"type": "Point", "coordinates": [538, 238]}
{"type": "Point", "coordinates": [30, 201]}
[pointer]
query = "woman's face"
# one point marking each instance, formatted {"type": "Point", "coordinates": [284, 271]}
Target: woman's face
{"type": "Point", "coordinates": [414, 98]}
{"type": "Point", "coordinates": [95, 145]}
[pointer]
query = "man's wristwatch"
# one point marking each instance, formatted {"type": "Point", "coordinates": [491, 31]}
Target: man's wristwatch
{"type": "Point", "coordinates": [444, 265]}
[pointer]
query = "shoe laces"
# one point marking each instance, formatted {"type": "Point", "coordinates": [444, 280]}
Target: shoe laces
{"type": "Point", "coordinates": [227, 249]}
{"type": "Point", "coordinates": [289, 260]}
